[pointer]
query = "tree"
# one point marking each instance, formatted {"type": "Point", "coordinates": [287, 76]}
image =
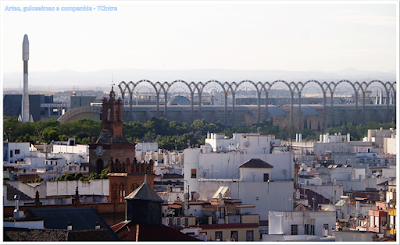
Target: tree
{"type": "Point", "coordinates": [50, 134]}
{"type": "Point", "coordinates": [103, 174]}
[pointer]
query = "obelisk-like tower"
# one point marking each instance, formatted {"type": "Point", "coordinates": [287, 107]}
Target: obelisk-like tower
{"type": "Point", "coordinates": [25, 96]}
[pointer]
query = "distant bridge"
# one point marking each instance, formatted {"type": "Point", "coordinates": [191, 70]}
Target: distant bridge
{"type": "Point", "coordinates": [291, 115]}
{"type": "Point", "coordinates": [359, 89]}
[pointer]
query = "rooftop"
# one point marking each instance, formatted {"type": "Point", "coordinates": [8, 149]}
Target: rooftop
{"type": "Point", "coordinates": [255, 163]}
{"type": "Point", "coordinates": [144, 192]}
{"type": "Point", "coordinates": [21, 234]}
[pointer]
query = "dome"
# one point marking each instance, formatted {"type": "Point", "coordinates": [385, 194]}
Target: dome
{"type": "Point", "coordinates": [179, 100]}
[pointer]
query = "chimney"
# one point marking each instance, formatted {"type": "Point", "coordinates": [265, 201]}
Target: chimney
{"type": "Point", "coordinates": [97, 226]}
{"type": "Point", "coordinates": [76, 197]}
{"type": "Point", "coordinates": [16, 197]}
{"type": "Point", "coordinates": [37, 202]}
{"type": "Point", "coordinates": [69, 226]}
{"type": "Point", "coordinates": [17, 214]}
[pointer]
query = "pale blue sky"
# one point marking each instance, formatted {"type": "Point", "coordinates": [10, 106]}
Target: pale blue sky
{"type": "Point", "coordinates": [179, 36]}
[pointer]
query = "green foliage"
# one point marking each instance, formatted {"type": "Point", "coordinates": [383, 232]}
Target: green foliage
{"type": "Point", "coordinates": [70, 176]}
{"type": "Point", "coordinates": [79, 176]}
{"type": "Point", "coordinates": [103, 174]}
{"type": "Point", "coordinates": [93, 175]}
{"type": "Point", "coordinates": [39, 132]}
{"type": "Point", "coordinates": [168, 135]}
{"type": "Point", "coordinates": [358, 132]}
{"type": "Point", "coordinates": [38, 180]}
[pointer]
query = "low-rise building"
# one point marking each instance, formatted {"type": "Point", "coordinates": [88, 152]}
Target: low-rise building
{"type": "Point", "coordinates": [308, 223]}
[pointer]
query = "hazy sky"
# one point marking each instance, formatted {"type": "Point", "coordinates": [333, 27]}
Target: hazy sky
{"type": "Point", "coordinates": [198, 35]}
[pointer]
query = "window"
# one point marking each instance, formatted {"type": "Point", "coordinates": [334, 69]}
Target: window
{"type": "Point", "coordinates": [249, 236]}
{"type": "Point", "coordinates": [11, 153]}
{"type": "Point", "coordinates": [234, 235]}
{"type": "Point", "coordinates": [293, 230]}
{"type": "Point", "coordinates": [108, 114]}
{"type": "Point", "coordinates": [326, 226]}
{"type": "Point", "coordinates": [17, 152]}
{"type": "Point", "coordinates": [218, 235]}
{"type": "Point", "coordinates": [306, 229]}
{"type": "Point", "coordinates": [193, 173]}
{"type": "Point", "coordinates": [312, 232]}
{"type": "Point", "coordinates": [266, 177]}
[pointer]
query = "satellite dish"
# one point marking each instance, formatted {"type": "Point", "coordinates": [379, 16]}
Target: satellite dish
{"type": "Point", "coordinates": [186, 196]}
{"type": "Point", "coordinates": [196, 196]}
{"type": "Point", "coordinates": [246, 144]}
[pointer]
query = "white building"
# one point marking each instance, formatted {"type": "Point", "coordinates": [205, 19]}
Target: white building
{"type": "Point", "coordinates": [336, 138]}
{"type": "Point", "coordinates": [313, 223]}
{"type": "Point", "coordinates": [390, 145]}
{"type": "Point", "coordinates": [250, 143]}
{"type": "Point", "coordinates": [169, 162]}
{"type": "Point", "coordinates": [15, 151]}
{"type": "Point", "coordinates": [378, 136]}
{"type": "Point", "coordinates": [245, 165]}
{"type": "Point", "coordinates": [145, 151]}
{"type": "Point", "coordinates": [56, 159]}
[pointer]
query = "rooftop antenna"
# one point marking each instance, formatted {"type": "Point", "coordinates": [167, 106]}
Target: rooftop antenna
{"type": "Point", "coordinates": [112, 81]}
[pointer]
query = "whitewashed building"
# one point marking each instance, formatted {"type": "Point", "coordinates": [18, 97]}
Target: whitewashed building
{"type": "Point", "coordinates": [245, 165]}
{"type": "Point", "coordinates": [312, 223]}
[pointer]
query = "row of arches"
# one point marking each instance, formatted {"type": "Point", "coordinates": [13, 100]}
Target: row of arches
{"type": "Point", "coordinates": [359, 91]}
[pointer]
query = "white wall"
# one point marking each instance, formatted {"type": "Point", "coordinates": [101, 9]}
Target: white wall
{"type": "Point", "coordinates": [265, 196]}
{"type": "Point", "coordinates": [252, 143]}
{"type": "Point", "coordinates": [23, 148]}
{"type": "Point", "coordinates": [256, 144]}
{"type": "Point", "coordinates": [93, 187]}
{"type": "Point", "coordinates": [30, 188]}
{"type": "Point", "coordinates": [224, 165]}
{"type": "Point", "coordinates": [390, 145]}
{"type": "Point", "coordinates": [353, 236]}
{"type": "Point", "coordinates": [254, 174]}
{"type": "Point", "coordinates": [341, 173]}
{"type": "Point", "coordinates": [280, 222]}
{"type": "Point", "coordinates": [352, 185]}
{"type": "Point", "coordinates": [191, 162]}
{"type": "Point", "coordinates": [218, 142]}
{"type": "Point", "coordinates": [35, 162]}
{"type": "Point", "coordinates": [331, 192]}
{"type": "Point", "coordinates": [346, 147]}
{"type": "Point", "coordinates": [389, 172]}
{"type": "Point", "coordinates": [61, 188]}
{"type": "Point", "coordinates": [78, 149]}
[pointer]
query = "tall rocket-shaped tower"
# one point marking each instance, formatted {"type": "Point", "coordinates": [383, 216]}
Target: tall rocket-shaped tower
{"type": "Point", "coordinates": [25, 115]}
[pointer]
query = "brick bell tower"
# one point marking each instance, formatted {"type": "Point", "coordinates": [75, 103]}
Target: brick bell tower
{"type": "Point", "coordinates": [111, 143]}
{"type": "Point", "coordinates": [113, 151]}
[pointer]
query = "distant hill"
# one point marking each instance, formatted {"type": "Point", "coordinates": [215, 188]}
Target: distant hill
{"type": "Point", "coordinates": [101, 80]}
